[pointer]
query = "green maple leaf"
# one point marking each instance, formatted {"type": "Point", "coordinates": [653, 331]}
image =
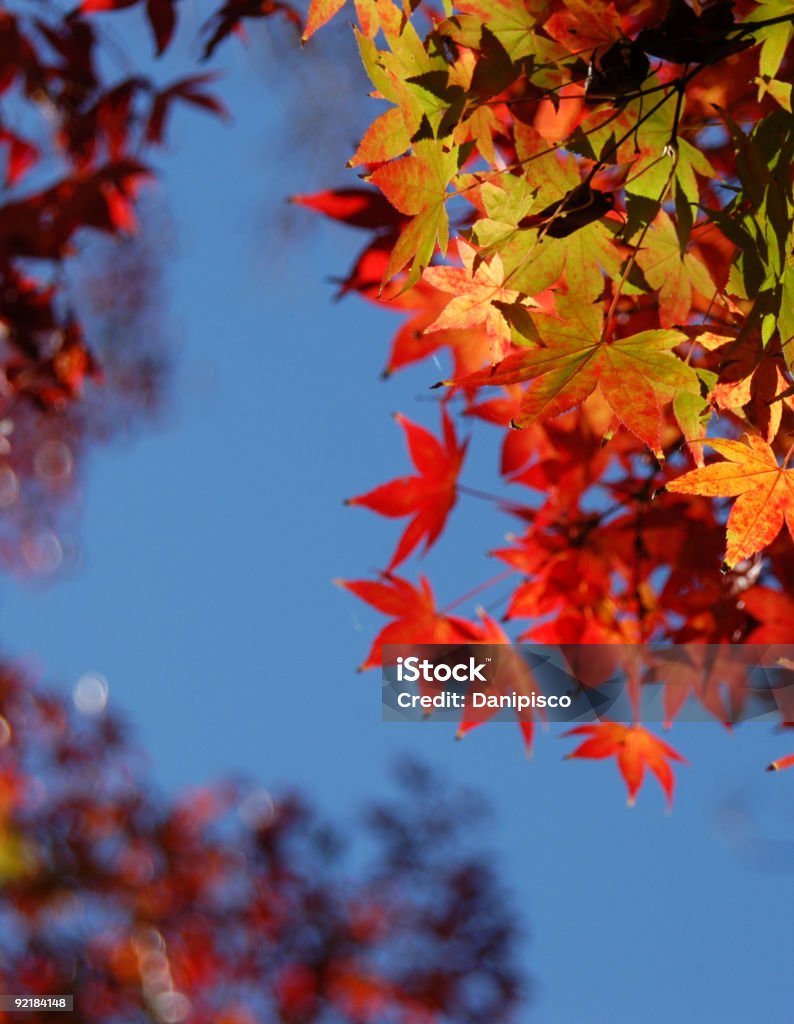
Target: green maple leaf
{"type": "Point", "coordinates": [416, 185]}
{"type": "Point", "coordinates": [776, 38]}
{"type": "Point", "coordinates": [636, 375]}
{"type": "Point", "coordinates": [671, 274]}
{"type": "Point", "coordinates": [514, 25]}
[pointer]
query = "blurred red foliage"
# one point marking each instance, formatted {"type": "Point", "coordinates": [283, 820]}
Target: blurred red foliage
{"type": "Point", "coordinates": [225, 905]}
{"type": "Point", "coordinates": [78, 279]}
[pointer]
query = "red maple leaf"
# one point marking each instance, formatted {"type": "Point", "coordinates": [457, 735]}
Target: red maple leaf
{"type": "Point", "coordinates": [188, 90]}
{"type": "Point", "coordinates": [358, 207]}
{"type": "Point", "coordinates": [510, 673]}
{"type": "Point", "coordinates": [635, 748]}
{"type": "Point", "coordinates": [429, 496]}
{"type": "Point", "coordinates": [774, 610]}
{"type": "Point", "coordinates": [417, 620]}
{"type": "Point", "coordinates": [161, 15]}
{"type": "Point", "coordinates": [229, 19]}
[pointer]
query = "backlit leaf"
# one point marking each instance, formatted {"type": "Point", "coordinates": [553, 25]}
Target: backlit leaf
{"type": "Point", "coordinates": [764, 490]}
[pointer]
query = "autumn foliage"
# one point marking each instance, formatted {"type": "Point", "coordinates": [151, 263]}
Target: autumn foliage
{"type": "Point", "coordinates": [585, 208]}
{"type": "Point", "coordinates": [75, 365]}
{"type": "Point", "coordinates": [226, 905]}
{"type": "Point", "coordinates": [592, 218]}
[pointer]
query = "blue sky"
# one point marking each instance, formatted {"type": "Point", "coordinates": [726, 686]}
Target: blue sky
{"type": "Point", "coordinates": [205, 598]}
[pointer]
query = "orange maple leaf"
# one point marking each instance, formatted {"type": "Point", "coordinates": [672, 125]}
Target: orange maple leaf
{"type": "Point", "coordinates": [584, 24]}
{"type": "Point", "coordinates": [430, 496]}
{"type": "Point", "coordinates": [474, 292]}
{"type": "Point", "coordinates": [635, 748]}
{"type": "Point", "coordinates": [469, 348]}
{"type": "Point", "coordinates": [417, 620]}
{"type": "Point", "coordinates": [765, 493]}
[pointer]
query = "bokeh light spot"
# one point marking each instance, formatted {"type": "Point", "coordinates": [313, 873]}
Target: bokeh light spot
{"type": "Point", "coordinates": [91, 693]}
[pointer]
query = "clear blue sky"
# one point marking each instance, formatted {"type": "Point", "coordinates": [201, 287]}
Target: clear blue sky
{"type": "Point", "coordinates": [205, 598]}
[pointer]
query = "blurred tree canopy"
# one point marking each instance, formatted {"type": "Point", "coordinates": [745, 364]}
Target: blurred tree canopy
{"type": "Point", "coordinates": [227, 905]}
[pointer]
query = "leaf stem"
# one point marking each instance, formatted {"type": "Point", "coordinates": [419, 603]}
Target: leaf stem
{"type": "Point", "coordinates": [633, 258]}
{"type": "Point", "coordinates": [472, 492]}
{"type": "Point", "coordinates": [615, 146]}
{"type": "Point", "coordinates": [477, 590]}
{"type": "Point", "coordinates": [673, 143]}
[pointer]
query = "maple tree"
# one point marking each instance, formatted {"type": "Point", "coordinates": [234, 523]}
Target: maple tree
{"type": "Point", "coordinates": [226, 905]}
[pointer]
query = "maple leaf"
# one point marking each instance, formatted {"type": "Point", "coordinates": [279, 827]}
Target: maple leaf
{"type": "Point", "coordinates": [320, 13]}
{"type": "Point", "coordinates": [514, 25]}
{"type": "Point", "coordinates": [774, 611]}
{"type": "Point", "coordinates": [358, 207]}
{"type": "Point", "coordinates": [386, 138]}
{"type": "Point", "coordinates": [188, 90]}
{"type": "Point", "coordinates": [42, 225]}
{"type": "Point", "coordinates": [764, 492]}
{"type": "Point", "coordinates": [714, 674]}
{"type": "Point", "coordinates": [416, 185]}
{"type": "Point", "coordinates": [636, 375]}
{"type": "Point", "coordinates": [692, 36]}
{"type": "Point", "coordinates": [672, 275]}
{"type": "Point", "coordinates": [752, 377]}
{"type": "Point", "coordinates": [228, 18]}
{"type": "Point", "coordinates": [417, 620]}
{"type": "Point", "coordinates": [366, 274]}
{"type": "Point", "coordinates": [52, 383]}
{"type": "Point", "coordinates": [495, 118]}
{"type": "Point", "coordinates": [474, 293]}
{"type": "Point", "coordinates": [162, 19]}
{"type": "Point", "coordinates": [616, 69]}
{"type": "Point", "coordinates": [584, 24]}
{"type": "Point", "coordinates": [568, 563]}
{"type": "Point", "coordinates": [509, 673]}
{"type": "Point", "coordinates": [576, 210]}
{"type": "Point", "coordinates": [428, 497]}
{"type": "Point", "coordinates": [635, 749]}
{"type": "Point", "coordinates": [469, 349]}
{"type": "Point", "coordinates": [161, 15]}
